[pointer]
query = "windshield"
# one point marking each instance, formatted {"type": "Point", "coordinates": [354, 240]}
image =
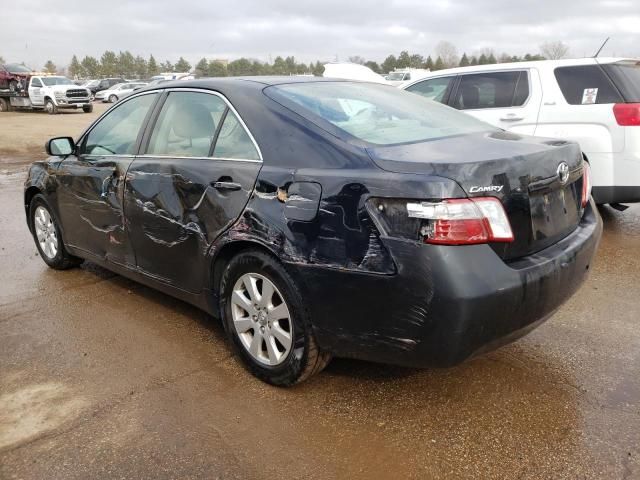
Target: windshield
{"type": "Point", "coordinates": [16, 68]}
{"type": "Point", "coordinates": [395, 76]}
{"type": "Point", "coordinates": [626, 76]}
{"type": "Point", "coordinates": [51, 81]}
{"type": "Point", "coordinates": [92, 83]}
{"type": "Point", "coordinates": [377, 114]}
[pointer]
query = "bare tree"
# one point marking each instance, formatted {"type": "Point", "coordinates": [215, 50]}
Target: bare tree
{"type": "Point", "coordinates": [357, 59]}
{"type": "Point", "coordinates": [448, 52]}
{"type": "Point", "coordinates": [554, 50]}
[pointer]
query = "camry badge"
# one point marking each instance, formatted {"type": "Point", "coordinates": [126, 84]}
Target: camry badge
{"type": "Point", "coordinates": [563, 172]}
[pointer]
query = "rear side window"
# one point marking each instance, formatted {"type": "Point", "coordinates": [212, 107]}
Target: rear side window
{"type": "Point", "coordinates": [491, 90]}
{"type": "Point", "coordinates": [435, 89]}
{"type": "Point", "coordinates": [233, 140]}
{"type": "Point", "coordinates": [187, 125]}
{"type": "Point", "coordinates": [626, 76]}
{"type": "Point", "coordinates": [586, 85]}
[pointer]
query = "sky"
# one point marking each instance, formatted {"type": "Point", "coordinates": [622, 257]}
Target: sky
{"type": "Point", "coordinates": [326, 30]}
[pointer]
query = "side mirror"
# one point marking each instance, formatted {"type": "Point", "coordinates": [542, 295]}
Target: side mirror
{"type": "Point", "coordinates": [60, 147]}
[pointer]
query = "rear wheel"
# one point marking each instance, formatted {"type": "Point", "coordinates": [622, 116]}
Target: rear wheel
{"type": "Point", "coordinates": [46, 234]}
{"type": "Point", "coordinates": [50, 107]}
{"type": "Point", "coordinates": [113, 98]}
{"type": "Point", "coordinates": [265, 318]}
{"type": "Point", "coordinates": [5, 106]}
{"type": "Point", "coordinates": [87, 108]}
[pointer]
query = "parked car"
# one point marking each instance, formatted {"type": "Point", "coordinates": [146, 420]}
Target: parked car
{"type": "Point", "coordinates": [321, 218]}
{"type": "Point", "coordinates": [402, 75]}
{"type": "Point", "coordinates": [14, 76]}
{"type": "Point", "coordinates": [118, 91]}
{"type": "Point", "coordinates": [595, 102]}
{"type": "Point", "coordinates": [105, 83]}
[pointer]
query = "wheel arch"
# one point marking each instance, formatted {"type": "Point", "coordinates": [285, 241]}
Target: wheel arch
{"type": "Point", "coordinates": [29, 193]}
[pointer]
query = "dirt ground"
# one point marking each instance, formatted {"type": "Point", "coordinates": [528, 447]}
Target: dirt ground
{"type": "Point", "coordinates": [103, 378]}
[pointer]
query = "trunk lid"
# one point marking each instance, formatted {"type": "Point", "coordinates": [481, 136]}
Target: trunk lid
{"type": "Point", "coordinates": [523, 172]}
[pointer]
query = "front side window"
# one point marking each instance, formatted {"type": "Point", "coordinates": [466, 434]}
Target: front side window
{"type": "Point", "coordinates": [117, 132]}
{"type": "Point", "coordinates": [36, 82]}
{"type": "Point", "coordinates": [376, 114]}
{"type": "Point", "coordinates": [487, 90]}
{"type": "Point", "coordinates": [585, 85]}
{"type": "Point", "coordinates": [434, 89]}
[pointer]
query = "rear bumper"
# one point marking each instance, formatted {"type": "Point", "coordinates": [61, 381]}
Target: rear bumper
{"type": "Point", "coordinates": [445, 304]}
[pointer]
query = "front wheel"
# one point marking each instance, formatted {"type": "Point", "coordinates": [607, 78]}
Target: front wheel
{"type": "Point", "coordinates": [50, 107]}
{"type": "Point", "coordinates": [46, 234]}
{"type": "Point", "coordinates": [113, 99]}
{"type": "Point", "coordinates": [264, 316]}
{"type": "Point", "coordinates": [87, 108]}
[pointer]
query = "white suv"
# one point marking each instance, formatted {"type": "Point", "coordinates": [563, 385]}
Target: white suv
{"type": "Point", "coordinates": [595, 102]}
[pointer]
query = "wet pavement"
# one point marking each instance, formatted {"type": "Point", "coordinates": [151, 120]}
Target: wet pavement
{"type": "Point", "coordinates": [103, 378]}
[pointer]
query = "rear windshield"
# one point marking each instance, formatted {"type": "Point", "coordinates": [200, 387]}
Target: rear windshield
{"type": "Point", "coordinates": [376, 114]}
{"type": "Point", "coordinates": [586, 85]}
{"type": "Point", "coordinates": [626, 76]}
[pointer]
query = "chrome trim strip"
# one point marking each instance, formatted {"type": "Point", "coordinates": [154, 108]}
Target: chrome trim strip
{"type": "Point", "coordinates": [169, 157]}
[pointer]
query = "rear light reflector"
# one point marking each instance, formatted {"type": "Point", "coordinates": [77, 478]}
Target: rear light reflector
{"type": "Point", "coordinates": [463, 221]}
{"type": "Point", "coordinates": [586, 183]}
{"type": "Point", "coordinates": [627, 114]}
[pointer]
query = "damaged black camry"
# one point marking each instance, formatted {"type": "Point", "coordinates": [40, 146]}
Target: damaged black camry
{"type": "Point", "coordinates": [322, 218]}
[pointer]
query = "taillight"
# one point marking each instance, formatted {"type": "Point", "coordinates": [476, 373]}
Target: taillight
{"type": "Point", "coordinates": [586, 183]}
{"type": "Point", "coordinates": [627, 114]}
{"type": "Point", "coordinates": [462, 221]}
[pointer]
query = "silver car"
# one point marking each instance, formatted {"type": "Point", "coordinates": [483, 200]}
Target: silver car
{"type": "Point", "coordinates": [118, 91]}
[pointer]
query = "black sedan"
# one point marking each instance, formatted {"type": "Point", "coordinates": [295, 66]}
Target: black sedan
{"type": "Point", "coordinates": [318, 217]}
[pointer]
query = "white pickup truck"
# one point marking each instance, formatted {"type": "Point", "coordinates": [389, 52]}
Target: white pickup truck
{"type": "Point", "coordinates": [49, 93]}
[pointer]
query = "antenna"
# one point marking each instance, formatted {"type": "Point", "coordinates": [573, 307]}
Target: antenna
{"type": "Point", "coordinates": [601, 47]}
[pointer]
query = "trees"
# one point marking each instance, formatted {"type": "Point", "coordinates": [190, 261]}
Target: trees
{"type": "Point", "coordinates": [429, 63]}
{"type": "Point", "coordinates": [167, 66]}
{"type": "Point", "coordinates": [448, 52]}
{"type": "Point", "coordinates": [75, 68]}
{"type": "Point", "coordinates": [90, 66]}
{"type": "Point", "coordinates": [182, 66]}
{"type": "Point", "coordinates": [554, 50]}
{"type": "Point", "coordinates": [239, 67]}
{"type": "Point", "coordinates": [152, 66]}
{"type": "Point", "coordinates": [202, 68]}
{"type": "Point", "coordinates": [491, 59]}
{"type": "Point", "coordinates": [464, 61]}
{"type": "Point", "coordinates": [50, 67]}
{"type": "Point", "coordinates": [357, 59]}
{"type": "Point", "coordinates": [140, 67]}
{"type": "Point", "coordinates": [439, 65]}
{"type": "Point", "coordinates": [126, 65]}
{"type": "Point", "coordinates": [108, 64]}
{"type": "Point", "coordinates": [389, 64]}
{"type": "Point", "coordinates": [483, 60]}
{"type": "Point", "coordinates": [404, 60]}
{"type": "Point", "coordinates": [318, 69]}
{"type": "Point", "coordinates": [217, 69]}
{"type": "Point", "coordinates": [373, 66]}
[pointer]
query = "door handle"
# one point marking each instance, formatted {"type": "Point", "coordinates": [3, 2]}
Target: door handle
{"type": "Point", "coordinates": [511, 118]}
{"type": "Point", "coordinates": [230, 186]}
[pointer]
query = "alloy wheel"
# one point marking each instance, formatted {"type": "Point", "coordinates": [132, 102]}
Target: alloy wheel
{"type": "Point", "coordinates": [261, 319]}
{"type": "Point", "coordinates": [46, 232]}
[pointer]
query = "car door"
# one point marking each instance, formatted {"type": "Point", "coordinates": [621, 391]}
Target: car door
{"type": "Point", "coordinates": [192, 182]}
{"type": "Point", "coordinates": [91, 182]}
{"type": "Point", "coordinates": [36, 94]}
{"type": "Point", "coordinates": [507, 99]}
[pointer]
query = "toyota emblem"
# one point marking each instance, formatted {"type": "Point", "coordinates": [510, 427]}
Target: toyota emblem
{"type": "Point", "coordinates": [563, 172]}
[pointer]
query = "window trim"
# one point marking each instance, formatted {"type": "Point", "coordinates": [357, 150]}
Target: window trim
{"type": "Point", "coordinates": [453, 94]}
{"type": "Point", "coordinates": [142, 150]}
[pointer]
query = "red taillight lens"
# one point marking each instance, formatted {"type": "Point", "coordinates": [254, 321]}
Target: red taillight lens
{"type": "Point", "coordinates": [586, 183]}
{"type": "Point", "coordinates": [627, 114]}
{"type": "Point", "coordinates": [463, 221]}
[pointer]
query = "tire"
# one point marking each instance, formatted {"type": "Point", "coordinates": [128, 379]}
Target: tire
{"type": "Point", "coordinates": [113, 99]}
{"type": "Point", "coordinates": [40, 216]}
{"type": "Point", "coordinates": [303, 358]}
{"type": "Point", "coordinates": [87, 108]}
{"type": "Point", "coordinates": [50, 107]}
{"type": "Point", "coordinates": [5, 106]}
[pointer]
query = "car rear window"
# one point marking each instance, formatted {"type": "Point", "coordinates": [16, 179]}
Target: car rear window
{"type": "Point", "coordinates": [626, 76]}
{"type": "Point", "coordinates": [586, 85]}
{"type": "Point", "coordinates": [375, 114]}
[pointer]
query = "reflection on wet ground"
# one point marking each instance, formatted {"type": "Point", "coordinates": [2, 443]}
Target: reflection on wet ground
{"type": "Point", "coordinates": [100, 377]}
